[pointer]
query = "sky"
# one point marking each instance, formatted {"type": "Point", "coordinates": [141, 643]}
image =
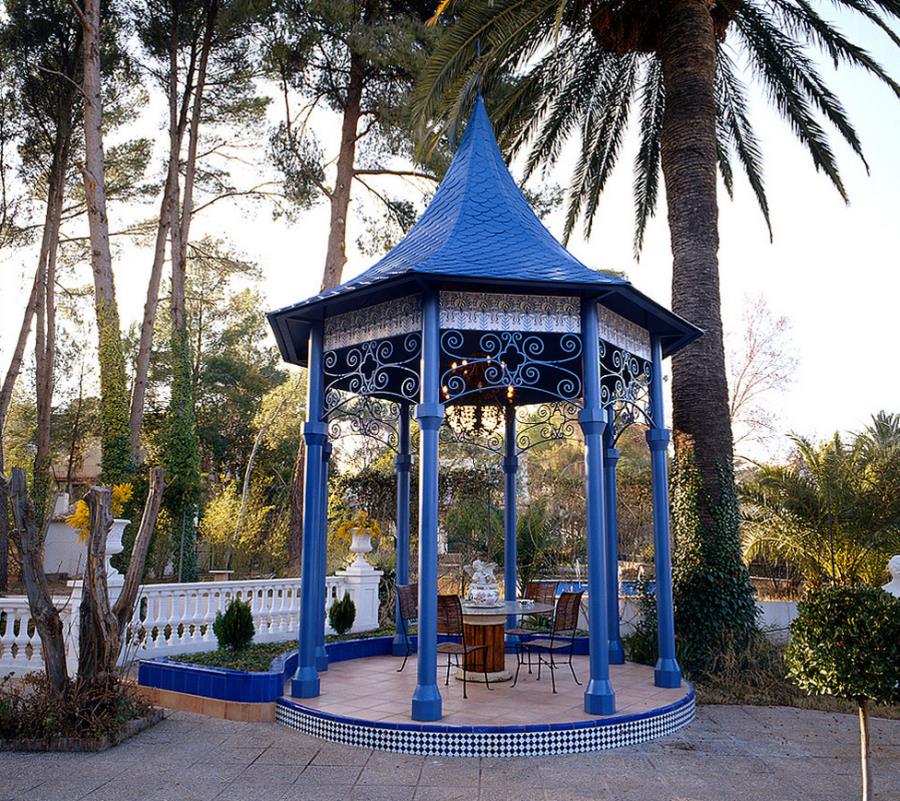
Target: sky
{"type": "Point", "coordinates": [832, 268]}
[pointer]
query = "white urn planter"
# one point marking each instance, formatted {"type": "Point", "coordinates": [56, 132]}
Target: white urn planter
{"type": "Point", "coordinates": [114, 546]}
{"type": "Point", "coordinates": [361, 544]}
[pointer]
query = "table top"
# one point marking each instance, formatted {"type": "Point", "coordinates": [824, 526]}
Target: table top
{"type": "Point", "coordinates": [508, 608]}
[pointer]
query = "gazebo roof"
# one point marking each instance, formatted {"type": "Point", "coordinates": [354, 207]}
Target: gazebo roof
{"type": "Point", "coordinates": [478, 229]}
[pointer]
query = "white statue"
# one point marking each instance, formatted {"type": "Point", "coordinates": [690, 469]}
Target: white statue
{"type": "Point", "coordinates": [893, 586]}
{"type": "Point", "coordinates": [482, 572]}
{"type": "Point", "coordinates": [483, 587]}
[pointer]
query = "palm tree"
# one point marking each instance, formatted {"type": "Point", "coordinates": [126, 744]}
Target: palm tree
{"type": "Point", "coordinates": [576, 69]}
{"type": "Point", "coordinates": [832, 512]}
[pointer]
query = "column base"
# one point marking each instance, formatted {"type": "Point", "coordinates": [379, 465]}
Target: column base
{"type": "Point", "coordinates": [667, 674]}
{"type": "Point", "coordinates": [398, 647]}
{"type": "Point", "coordinates": [616, 653]}
{"type": "Point", "coordinates": [321, 659]}
{"type": "Point", "coordinates": [305, 683]}
{"type": "Point", "coordinates": [426, 703]}
{"type": "Point", "coordinates": [599, 697]}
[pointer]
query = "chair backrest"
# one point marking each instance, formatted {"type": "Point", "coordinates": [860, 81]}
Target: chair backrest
{"type": "Point", "coordinates": [408, 595]}
{"type": "Point", "coordinates": [565, 620]}
{"type": "Point", "coordinates": [449, 617]}
{"type": "Point", "coordinates": [542, 592]}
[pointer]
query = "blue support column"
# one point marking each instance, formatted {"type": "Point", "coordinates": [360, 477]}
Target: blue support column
{"type": "Point", "coordinates": [426, 700]}
{"type": "Point", "coordinates": [305, 683]}
{"type": "Point", "coordinates": [403, 463]}
{"type": "Point", "coordinates": [510, 469]}
{"type": "Point", "coordinates": [616, 651]}
{"type": "Point", "coordinates": [599, 696]}
{"type": "Point", "coordinates": [321, 653]}
{"type": "Point", "coordinates": [668, 674]}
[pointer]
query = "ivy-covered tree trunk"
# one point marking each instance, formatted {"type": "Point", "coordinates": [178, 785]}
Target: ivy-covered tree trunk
{"type": "Point", "coordinates": [114, 434]}
{"type": "Point", "coordinates": [183, 444]}
{"type": "Point", "coordinates": [713, 597]}
{"type": "Point", "coordinates": [181, 460]}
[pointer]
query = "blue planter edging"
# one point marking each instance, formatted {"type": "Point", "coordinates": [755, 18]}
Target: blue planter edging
{"type": "Point", "coordinates": [264, 687]}
{"type": "Point", "coordinates": [238, 685]}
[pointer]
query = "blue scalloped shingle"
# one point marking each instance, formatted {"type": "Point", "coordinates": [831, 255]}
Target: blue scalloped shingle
{"type": "Point", "coordinates": [479, 225]}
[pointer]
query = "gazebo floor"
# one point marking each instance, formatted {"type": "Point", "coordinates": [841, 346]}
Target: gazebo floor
{"type": "Point", "coordinates": [366, 702]}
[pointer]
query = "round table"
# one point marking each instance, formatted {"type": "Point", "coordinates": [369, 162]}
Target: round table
{"type": "Point", "coordinates": [485, 626]}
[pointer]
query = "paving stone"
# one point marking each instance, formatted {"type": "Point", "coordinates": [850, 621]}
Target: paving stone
{"type": "Point", "coordinates": [727, 754]}
{"type": "Point", "coordinates": [383, 792]}
{"type": "Point", "coordinates": [393, 774]}
{"type": "Point", "coordinates": [329, 774]}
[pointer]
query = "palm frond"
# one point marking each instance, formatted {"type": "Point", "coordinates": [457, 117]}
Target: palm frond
{"type": "Point", "coordinates": [602, 132]}
{"type": "Point", "coordinates": [734, 116]}
{"type": "Point", "coordinates": [646, 164]}
{"type": "Point", "coordinates": [509, 32]}
{"type": "Point", "coordinates": [869, 10]}
{"type": "Point", "coordinates": [796, 88]}
{"type": "Point", "coordinates": [800, 19]}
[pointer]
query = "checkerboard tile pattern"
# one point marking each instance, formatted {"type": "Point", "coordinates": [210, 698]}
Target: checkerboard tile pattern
{"type": "Point", "coordinates": [490, 741]}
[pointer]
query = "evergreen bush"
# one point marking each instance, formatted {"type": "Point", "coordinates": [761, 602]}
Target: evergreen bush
{"type": "Point", "coordinates": [342, 614]}
{"type": "Point", "coordinates": [845, 642]}
{"type": "Point", "coordinates": [234, 630]}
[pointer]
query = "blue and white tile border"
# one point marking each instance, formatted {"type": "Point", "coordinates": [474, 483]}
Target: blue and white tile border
{"type": "Point", "coordinates": [490, 741]}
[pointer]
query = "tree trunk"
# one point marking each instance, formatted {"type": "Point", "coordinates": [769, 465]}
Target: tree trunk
{"type": "Point", "coordinates": [177, 124]}
{"type": "Point", "coordinates": [295, 519]}
{"type": "Point", "coordinates": [18, 356]}
{"type": "Point", "coordinates": [96, 621]}
{"type": "Point", "coordinates": [336, 255]}
{"type": "Point", "coordinates": [335, 258]}
{"type": "Point", "coordinates": [864, 749]}
{"type": "Point", "coordinates": [47, 622]}
{"type": "Point", "coordinates": [45, 333]}
{"type": "Point", "coordinates": [145, 345]}
{"type": "Point", "coordinates": [699, 380]}
{"type": "Point", "coordinates": [4, 534]}
{"type": "Point", "coordinates": [116, 442]}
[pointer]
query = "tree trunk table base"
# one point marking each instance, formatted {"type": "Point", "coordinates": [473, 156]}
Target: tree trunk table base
{"type": "Point", "coordinates": [488, 631]}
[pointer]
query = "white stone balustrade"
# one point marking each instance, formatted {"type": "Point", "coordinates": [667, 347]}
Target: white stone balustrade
{"type": "Point", "coordinates": [178, 618]}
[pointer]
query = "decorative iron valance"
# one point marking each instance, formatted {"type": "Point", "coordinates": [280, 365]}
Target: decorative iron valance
{"type": "Point", "coordinates": [495, 311]}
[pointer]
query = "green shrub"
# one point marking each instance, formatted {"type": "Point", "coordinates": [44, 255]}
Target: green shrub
{"type": "Point", "coordinates": [342, 614]}
{"type": "Point", "coordinates": [234, 630]}
{"type": "Point", "coordinates": [845, 642]}
{"type": "Point", "coordinates": [642, 644]}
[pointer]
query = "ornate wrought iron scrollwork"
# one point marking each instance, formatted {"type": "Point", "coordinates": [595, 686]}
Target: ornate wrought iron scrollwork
{"type": "Point", "coordinates": [549, 422]}
{"type": "Point", "coordinates": [499, 363]}
{"type": "Point", "coordinates": [364, 416]}
{"type": "Point", "coordinates": [625, 387]}
{"type": "Point", "coordinates": [385, 368]}
{"type": "Point", "coordinates": [474, 427]}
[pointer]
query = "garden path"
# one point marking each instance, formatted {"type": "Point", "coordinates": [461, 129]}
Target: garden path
{"type": "Point", "coordinates": [729, 753]}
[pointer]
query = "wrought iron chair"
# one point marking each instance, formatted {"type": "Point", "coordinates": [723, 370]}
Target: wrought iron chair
{"type": "Point", "coordinates": [561, 639]}
{"type": "Point", "coordinates": [450, 623]}
{"type": "Point", "coordinates": [542, 592]}
{"type": "Point", "coordinates": [408, 596]}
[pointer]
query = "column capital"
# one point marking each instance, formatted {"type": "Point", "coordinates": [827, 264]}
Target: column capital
{"type": "Point", "coordinates": [327, 448]}
{"type": "Point", "coordinates": [592, 420]}
{"type": "Point", "coordinates": [429, 415]}
{"type": "Point", "coordinates": [510, 464]}
{"type": "Point", "coordinates": [658, 439]}
{"type": "Point", "coordinates": [612, 456]}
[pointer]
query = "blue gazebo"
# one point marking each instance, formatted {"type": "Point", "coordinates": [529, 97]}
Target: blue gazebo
{"type": "Point", "coordinates": [480, 306]}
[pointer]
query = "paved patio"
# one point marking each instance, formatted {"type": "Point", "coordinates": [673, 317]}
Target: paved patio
{"type": "Point", "coordinates": [372, 689]}
{"type": "Point", "coordinates": [727, 754]}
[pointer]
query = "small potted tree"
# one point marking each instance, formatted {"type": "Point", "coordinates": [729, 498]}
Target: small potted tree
{"type": "Point", "coordinates": [845, 642]}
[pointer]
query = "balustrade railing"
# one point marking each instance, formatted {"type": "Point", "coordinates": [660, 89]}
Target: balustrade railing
{"type": "Point", "coordinates": [178, 618]}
